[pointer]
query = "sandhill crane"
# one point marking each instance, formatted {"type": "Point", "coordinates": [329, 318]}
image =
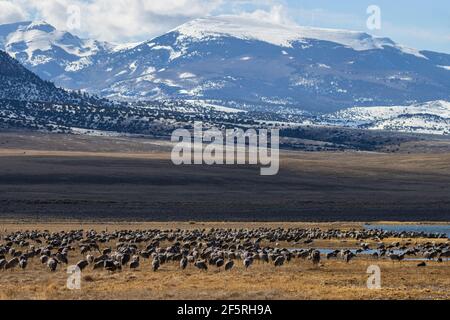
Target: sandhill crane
{"type": "Point", "coordinates": [156, 264]}
{"type": "Point", "coordinates": [279, 261]}
{"type": "Point", "coordinates": [62, 258]}
{"type": "Point", "coordinates": [396, 257]}
{"type": "Point", "coordinates": [229, 265]}
{"type": "Point", "coordinates": [134, 264]}
{"type": "Point", "coordinates": [422, 264]}
{"type": "Point", "coordinates": [348, 256]}
{"type": "Point", "coordinates": [90, 259]}
{"type": "Point", "coordinates": [201, 264]}
{"type": "Point", "coordinates": [145, 254]}
{"type": "Point", "coordinates": [219, 263]}
{"type": "Point", "coordinates": [2, 263]}
{"type": "Point", "coordinates": [332, 254]}
{"type": "Point", "coordinates": [103, 257]}
{"type": "Point", "coordinates": [17, 254]}
{"type": "Point", "coordinates": [52, 264]}
{"type": "Point", "coordinates": [445, 254]}
{"type": "Point", "coordinates": [248, 262]}
{"type": "Point", "coordinates": [315, 257]}
{"type": "Point", "coordinates": [11, 264]}
{"type": "Point", "coordinates": [82, 264]}
{"type": "Point", "coordinates": [264, 257]}
{"type": "Point", "coordinates": [109, 265]}
{"type": "Point", "coordinates": [125, 259]}
{"type": "Point", "coordinates": [183, 263]}
{"type": "Point", "coordinates": [23, 263]}
{"type": "Point", "coordinates": [85, 249]}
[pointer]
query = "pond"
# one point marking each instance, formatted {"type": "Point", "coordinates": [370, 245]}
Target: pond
{"type": "Point", "coordinates": [427, 228]}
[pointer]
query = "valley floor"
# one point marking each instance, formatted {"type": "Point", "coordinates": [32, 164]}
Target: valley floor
{"type": "Point", "coordinates": [50, 176]}
{"type": "Point", "coordinates": [62, 182]}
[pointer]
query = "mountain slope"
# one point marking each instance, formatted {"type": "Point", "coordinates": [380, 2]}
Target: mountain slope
{"type": "Point", "coordinates": [228, 58]}
{"type": "Point", "coordinates": [30, 102]}
{"type": "Point", "coordinates": [26, 101]}
{"type": "Point", "coordinates": [17, 83]}
{"type": "Point", "coordinates": [279, 35]}
{"type": "Point", "coordinates": [432, 118]}
{"type": "Point", "coordinates": [313, 69]}
{"type": "Point", "coordinates": [52, 54]}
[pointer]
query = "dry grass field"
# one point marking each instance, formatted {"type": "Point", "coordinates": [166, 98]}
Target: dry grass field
{"type": "Point", "coordinates": [63, 182]}
{"type": "Point", "coordinates": [81, 177]}
{"type": "Point", "coordinates": [298, 279]}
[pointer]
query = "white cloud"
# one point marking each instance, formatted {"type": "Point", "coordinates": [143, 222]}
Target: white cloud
{"type": "Point", "coordinates": [10, 12]}
{"type": "Point", "coordinates": [116, 20]}
{"type": "Point", "coordinates": [135, 20]}
{"type": "Point", "coordinates": [277, 15]}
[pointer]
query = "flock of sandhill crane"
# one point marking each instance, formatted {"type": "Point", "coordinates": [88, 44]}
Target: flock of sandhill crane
{"type": "Point", "coordinates": [203, 249]}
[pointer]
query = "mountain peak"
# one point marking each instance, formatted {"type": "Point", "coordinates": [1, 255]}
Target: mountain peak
{"type": "Point", "coordinates": [38, 43]}
{"type": "Point", "coordinates": [40, 26]}
{"type": "Point", "coordinates": [277, 34]}
{"type": "Point", "coordinates": [233, 58]}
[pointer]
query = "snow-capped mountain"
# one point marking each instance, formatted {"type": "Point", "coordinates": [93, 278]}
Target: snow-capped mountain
{"type": "Point", "coordinates": [26, 97]}
{"type": "Point", "coordinates": [431, 118]}
{"type": "Point", "coordinates": [228, 58]}
{"type": "Point", "coordinates": [278, 35]}
{"type": "Point", "coordinates": [54, 55]}
{"type": "Point", "coordinates": [26, 101]}
{"type": "Point", "coordinates": [246, 61]}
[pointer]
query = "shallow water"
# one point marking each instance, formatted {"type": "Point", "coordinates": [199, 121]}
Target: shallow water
{"type": "Point", "coordinates": [325, 251]}
{"type": "Point", "coordinates": [427, 228]}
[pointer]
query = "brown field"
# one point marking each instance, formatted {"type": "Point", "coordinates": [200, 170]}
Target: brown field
{"type": "Point", "coordinates": [63, 182]}
{"type": "Point", "coordinates": [298, 279]}
{"type": "Point", "coordinates": [78, 177]}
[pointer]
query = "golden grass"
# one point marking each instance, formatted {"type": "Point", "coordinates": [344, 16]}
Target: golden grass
{"type": "Point", "coordinates": [51, 153]}
{"type": "Point", "coordinates": [71, 224]}
{"type": "Point", "coordinates": [297, 279]}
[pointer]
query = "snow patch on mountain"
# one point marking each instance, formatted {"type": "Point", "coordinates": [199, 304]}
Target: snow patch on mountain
{"type": "Point", "coordinates": [417, 123]}
{"type": "Point", "coordinates": [78, 65]}
{"type": "Point", "coordinates": [37, 37]}
{"type": "Point", "coordinates": [432, 118]}
{"type": "Point", "coordinates": [280, 35]}
{"type": "Point", "coordinates": [187, 75]}
{"type": "Point", "coordinates": [173, 53]}
{"type": "Point", "coordinates": [363, 115]}
{"type": "Point", "coordinates": [125, 46]}
{"type": "Point", "coordinates": [50, 52]}
{"type": "Point", "coordinates": [232, 58]}
{"type": "Point", "coordinates": [213, 106]}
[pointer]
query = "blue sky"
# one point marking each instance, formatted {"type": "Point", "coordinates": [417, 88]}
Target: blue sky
{"type": "Point", "coordinates": [418, 24]}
